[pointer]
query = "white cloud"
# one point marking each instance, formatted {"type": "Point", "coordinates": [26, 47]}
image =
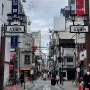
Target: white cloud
{"type": "Point", "coordinates": [41, 13]}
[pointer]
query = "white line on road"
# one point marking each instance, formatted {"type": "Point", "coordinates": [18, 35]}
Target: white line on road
{"type": "Point", "coordinates": [46, 87]}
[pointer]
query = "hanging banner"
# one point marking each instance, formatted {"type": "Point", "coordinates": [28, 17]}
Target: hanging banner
{"type": "Point", "coordinates": [14, 9]}
{"type": "Point", "coordinates": [83, 55]}
{"type": "Point", "coordinates": [79, 7]}
{"type": "Point", "coordinates": [14, 41]}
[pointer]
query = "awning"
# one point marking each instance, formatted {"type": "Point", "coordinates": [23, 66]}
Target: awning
{"type": "Point", "coordinates": [24, 68]}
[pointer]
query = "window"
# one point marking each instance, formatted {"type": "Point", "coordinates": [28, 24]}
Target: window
{"type": "Point", "coordinates": [70, 59]}
{"type": "Point", "coordinates": [27, 59]}
{"type": "Point", "coordinates": [2, 11]}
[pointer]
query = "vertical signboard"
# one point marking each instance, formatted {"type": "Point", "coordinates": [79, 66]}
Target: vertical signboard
{"type": "Point", "coordinates": [14, 41]}
{"type": "Point", "coordinates": [79, 7]}
{"type": "Point", "coordinates": [81, 38]}
{"type": "Point", "coordinates": [14, 9]}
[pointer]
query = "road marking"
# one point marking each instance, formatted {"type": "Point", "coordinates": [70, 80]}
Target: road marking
{"type": "Point", "coordinates": [37, 86]}
{"type": "Point", "coordinates": [46, 87]}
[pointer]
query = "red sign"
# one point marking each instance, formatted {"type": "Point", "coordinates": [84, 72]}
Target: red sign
{"type": "Point", "coordinates": [11, 56]}
{"type": "Point", "coordinates": [79, 7]}
{"type": "Point", "coordinates": [34, 48]}
{"type": "Point", "coordinates": [11, 67]}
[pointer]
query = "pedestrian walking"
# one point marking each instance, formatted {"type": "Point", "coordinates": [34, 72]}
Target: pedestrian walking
{"type": "Point", "coordinates": [22, 79]}
{"type": "Point", "coordinates": [57, 79]}
{"type": "Point", "coordinates": [53, 79]}
{"type": "Point", "coordinates": [86, 80]}
{"type": "Point", "coordinates": [44, 76]}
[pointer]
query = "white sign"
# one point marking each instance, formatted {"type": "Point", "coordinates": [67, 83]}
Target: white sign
{"type": "Point", "coordinates": [15, 23]}
{"type": "Point", "coordinates": [15, 29]}
{"type": "Point", "coordinates": [59, 23]}
{"type": "Point", "coordinates": [83, 55]}
{"type": "Point", "coordinates": [81, 38]}
{"type": "Point", "coordinates": [79, 21]}
{"type": "Point", "coordinates": [78, 29]}
{"type": "Point", "coordinates": [33, 64]}
{"type": "Point", "coordinates": [32, 71]}
{"type": "Point", "coordinates": [78, 69]}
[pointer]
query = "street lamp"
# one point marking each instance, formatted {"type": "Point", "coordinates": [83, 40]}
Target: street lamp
{"type": "Point", "coordinates": [84, 16]}
{"type": "Point", "coordinates": [73, 17]}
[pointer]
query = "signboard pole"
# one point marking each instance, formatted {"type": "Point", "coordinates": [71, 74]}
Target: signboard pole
{"type": "Point", "coordinates": [2, 53]}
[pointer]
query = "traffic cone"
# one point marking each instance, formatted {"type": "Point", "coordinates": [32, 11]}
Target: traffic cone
{"type": "Point", "coordinates": [80, 87]}
{"type": "Point", "coordinates": [86, 88]}
{"type": "Point", "coordinates": [8, 89]}
{"type": "Point", "coordinates": [14, 87]}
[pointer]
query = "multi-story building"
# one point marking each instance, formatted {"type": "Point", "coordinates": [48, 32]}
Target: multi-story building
{"type": "Point", "coordinates": [67, 58]}
{"type": "Point", "coordinates": [63, 33]}
{"type": "Point", "coordinates": [24, 53]}
{"type": "Point", "coordinates": [3, 19]}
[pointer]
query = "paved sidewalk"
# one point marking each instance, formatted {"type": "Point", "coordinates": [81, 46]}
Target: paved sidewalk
{"type": "Point", "coordinates": [68, 85]}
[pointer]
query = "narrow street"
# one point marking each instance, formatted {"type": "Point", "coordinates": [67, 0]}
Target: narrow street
{"type": "Point", "coordinates": [44, 85]}
{"type": "Point", "coordinates": [44, 44]}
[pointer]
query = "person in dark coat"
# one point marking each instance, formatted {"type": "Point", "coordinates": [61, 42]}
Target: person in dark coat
{"type": "Point", "coordinates": [86, 80]}
{"type": "Point", "coordinates": [53, 79]}
{"type": "Point", "coordinates": [22, 79]}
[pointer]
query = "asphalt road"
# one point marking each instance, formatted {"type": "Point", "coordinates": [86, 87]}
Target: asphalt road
{"type": "Point", "coordinates": [44, 85]}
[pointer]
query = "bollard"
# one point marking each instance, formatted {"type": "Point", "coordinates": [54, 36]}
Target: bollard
{"type": "Point", "coordinates": [14, 87]}
{"type": "Point", "coordinates": [86, 88]}
{"type": "Point", "coordinates": [8, 89]}
{"type": "Point", "coordinates": [80, 87]}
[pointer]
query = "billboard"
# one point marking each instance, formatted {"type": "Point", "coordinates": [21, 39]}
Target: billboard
{"type": "Point", "coordinates": [79, 7]}
{"type": "Point", "coordinates": [59, 23]}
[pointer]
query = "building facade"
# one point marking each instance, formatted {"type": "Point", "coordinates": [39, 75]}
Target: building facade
{"type": "Point", "coordinates": [3, 19]}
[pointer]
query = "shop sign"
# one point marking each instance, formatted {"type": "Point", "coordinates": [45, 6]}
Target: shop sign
{"type": "Point", "coordinates": [14, 9]}
{"type": "Point", "coordinates": [79, 7]}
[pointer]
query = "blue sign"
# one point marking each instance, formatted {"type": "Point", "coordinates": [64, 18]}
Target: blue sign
{"type": "Point", "coordinates": [14, 41]}
{"type": "Point", "coordinates": [56, 68]}
{"type": "Point", "coordinates": [14, 9]}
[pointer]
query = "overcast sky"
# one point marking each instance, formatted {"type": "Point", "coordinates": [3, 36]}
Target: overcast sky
{"type": "Point", "coordinates": [41, 13]}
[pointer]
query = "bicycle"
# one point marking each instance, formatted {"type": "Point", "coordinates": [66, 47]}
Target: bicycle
{"type": "Point", "coordinates": [76, 82]}
{"type": "Point", "coordinates": [8, 82]}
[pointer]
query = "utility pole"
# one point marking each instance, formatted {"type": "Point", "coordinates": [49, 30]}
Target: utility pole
{"type": "Point", "coordinates": [87, 34]}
